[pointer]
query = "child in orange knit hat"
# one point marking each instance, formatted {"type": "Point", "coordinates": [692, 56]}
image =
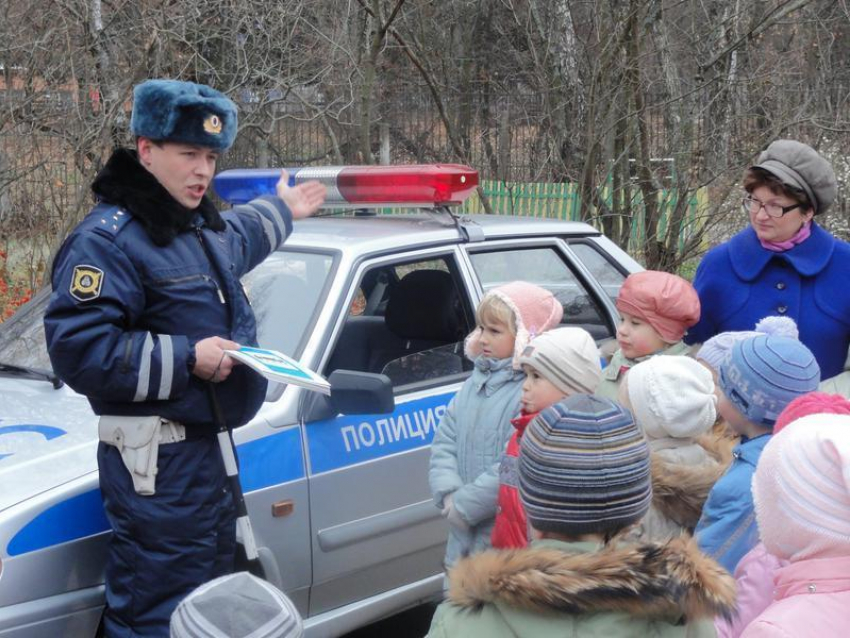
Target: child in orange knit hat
{"type": "Point", "coordinates": [656, 309]}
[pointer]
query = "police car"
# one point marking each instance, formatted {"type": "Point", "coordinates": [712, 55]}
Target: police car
{"type": "Point", "coordinates": [339, 503]}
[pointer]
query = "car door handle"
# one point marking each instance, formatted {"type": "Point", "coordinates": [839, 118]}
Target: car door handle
{"type": "Point", "coordinates": [283, 508]}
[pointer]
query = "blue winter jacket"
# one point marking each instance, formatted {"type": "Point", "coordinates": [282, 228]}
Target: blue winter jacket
{"type": "Point", "coordinates": [739, 283]}
{"type": "Point", "coordinates": [125, 313]}
{"type": "Point", "coordinates": [727, 528]}
{"type": "Point", "coordinates": [468, 447]}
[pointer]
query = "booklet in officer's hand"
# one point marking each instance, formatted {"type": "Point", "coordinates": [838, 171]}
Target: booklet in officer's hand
{"type": "Point", "coordinates": [276, 366]}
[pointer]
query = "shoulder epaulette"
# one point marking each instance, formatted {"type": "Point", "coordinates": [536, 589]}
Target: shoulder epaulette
{"type": "Point", "coordinates": [107, 220]}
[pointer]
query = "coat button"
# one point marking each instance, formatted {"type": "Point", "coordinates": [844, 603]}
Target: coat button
{"type": "Point", "coordinates": [812, 589]}
{"type": "Point", "coordinates": [782, 309]}
{"type": "Point", "coordinates": [780, 285]}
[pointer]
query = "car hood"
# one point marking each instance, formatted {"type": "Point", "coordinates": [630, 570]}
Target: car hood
{"type": "Point", "coordinates": [47, 437]}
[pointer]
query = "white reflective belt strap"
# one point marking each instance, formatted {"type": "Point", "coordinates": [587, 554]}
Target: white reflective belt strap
{"type": "Point", "coordinates": [144, 370]}
{"type": "Point", "coordinates": [278, 220]}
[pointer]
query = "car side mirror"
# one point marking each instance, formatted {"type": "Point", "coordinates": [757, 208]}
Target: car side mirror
{"type": "Point", "coordinates": [351, 393]}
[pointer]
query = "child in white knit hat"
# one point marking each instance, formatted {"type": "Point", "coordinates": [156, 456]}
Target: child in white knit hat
{"type": "Point", "coordinates": [557, 364]}
{"type": "Point", "coordinates": [673, 401]}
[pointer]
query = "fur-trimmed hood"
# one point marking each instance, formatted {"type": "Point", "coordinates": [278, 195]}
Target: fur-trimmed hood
{"type": "Point", "coordinates": [679, 491]}
{"type": "Point", "coordinates": [673, 580]}
{"type": "Point", "coordinates": [126, 183]}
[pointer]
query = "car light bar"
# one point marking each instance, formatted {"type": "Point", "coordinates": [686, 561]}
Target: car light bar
{"type": "Point", "coordinates": [358, 186]}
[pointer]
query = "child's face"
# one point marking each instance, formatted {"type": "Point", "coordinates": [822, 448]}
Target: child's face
{"type": "Point", "coordinates": [637, 338]}
{"type": "Point", "coordinates": [730, 413]}
{"type": "Point", "coordinates": [497, 340]}
{"type": "Point", "coordinates": [538, 393]}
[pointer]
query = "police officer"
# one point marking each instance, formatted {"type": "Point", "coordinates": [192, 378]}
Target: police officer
{"type": "Point", "coordinates": [146, 300]}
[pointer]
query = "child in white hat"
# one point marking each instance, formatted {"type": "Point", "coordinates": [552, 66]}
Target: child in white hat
{"type": "Point", "coordinates": [673, 401]}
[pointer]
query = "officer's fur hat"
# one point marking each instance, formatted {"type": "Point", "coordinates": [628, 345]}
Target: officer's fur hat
{"type": "Point", "coordinates": [185, 112]}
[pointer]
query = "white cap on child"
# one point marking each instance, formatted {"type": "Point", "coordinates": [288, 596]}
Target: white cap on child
{"type": "Point", "coordinates": [672, 396]}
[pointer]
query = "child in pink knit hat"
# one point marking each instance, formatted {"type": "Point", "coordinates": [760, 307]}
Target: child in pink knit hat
{"type": "Point", "coordinates": [476, 426]}
{"type": "Point", "coordinates": [754, 575]}
{"type": "Point", "coordinates": [656, 308]}
{"type": "Point", "coordinates": [801, 490]}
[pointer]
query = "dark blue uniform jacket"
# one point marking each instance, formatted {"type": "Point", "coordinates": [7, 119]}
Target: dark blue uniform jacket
{"type": "Point", "coordinates": [125, 313]}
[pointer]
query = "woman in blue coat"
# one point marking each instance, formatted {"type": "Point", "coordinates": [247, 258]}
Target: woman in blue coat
{"type": "Point", "coordinates": [783, 263]}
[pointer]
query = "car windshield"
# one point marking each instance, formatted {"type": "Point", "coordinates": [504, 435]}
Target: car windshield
{"type": "Point", "coordinates": [285, 291]}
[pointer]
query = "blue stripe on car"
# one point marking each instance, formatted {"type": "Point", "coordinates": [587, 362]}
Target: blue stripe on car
{"type": "Point", "coordinates": [264, 462]}
{"type": "Point", "coordinates": [79, 516]}
{"type": "Point", "coordinates": [347, 440]}
{"type": "Point", "coordinates": [271, 460]}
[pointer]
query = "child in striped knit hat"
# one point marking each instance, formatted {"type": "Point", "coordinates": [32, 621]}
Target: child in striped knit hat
{"type": "Point", "coordinates": [584, 480]}
{"type": "Point", "coordinates": [557, 364]}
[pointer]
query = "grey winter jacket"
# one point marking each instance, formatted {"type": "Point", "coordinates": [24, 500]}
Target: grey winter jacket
{"type": "Point", "coordinates": [468, 448]}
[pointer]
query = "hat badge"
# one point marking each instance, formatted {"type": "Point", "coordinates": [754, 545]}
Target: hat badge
{"type": "Point", "coordinates": [212, 124]}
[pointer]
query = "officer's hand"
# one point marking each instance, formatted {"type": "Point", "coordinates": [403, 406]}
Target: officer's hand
{"type": "Point", "coordinates": [211, 361]}
{"type": "Point", "coordinates": [304, 199]}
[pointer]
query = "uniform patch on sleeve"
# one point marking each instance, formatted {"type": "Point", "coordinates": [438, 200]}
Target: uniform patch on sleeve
{"type": "Point", "coordinates": [86, 283]}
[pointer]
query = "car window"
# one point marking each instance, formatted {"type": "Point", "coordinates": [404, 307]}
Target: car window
{"type": "Point", "coordinates": [605, 272]}
{"type": "Point", "coordinates": [285, 292]}
{"type": "Point", "coordinates": [408, 321]}
{"type": "Point", "coordinates": [22, 339]}
{"type": "Point", "coordinates": [547, 268]}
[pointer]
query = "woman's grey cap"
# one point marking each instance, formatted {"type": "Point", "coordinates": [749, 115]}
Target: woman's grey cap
{"type": "Point", "coordinates": [236, 606]}
{"type": "Point", "coordinates": [802, 167]}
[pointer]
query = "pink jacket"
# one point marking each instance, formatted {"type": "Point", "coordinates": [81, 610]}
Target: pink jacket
{"type": "Point", "coordinates": [754, 582]}
{"type": "Point", "coordinates": [812, 599]}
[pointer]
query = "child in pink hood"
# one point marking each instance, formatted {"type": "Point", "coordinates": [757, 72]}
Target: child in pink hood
{"type": "Point", "coordinates": [801, 490]}
{"type": "Point", "coordinates": [755, 573]}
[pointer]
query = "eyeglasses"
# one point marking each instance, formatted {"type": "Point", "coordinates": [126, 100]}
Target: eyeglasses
{"type": "Point", "coordinates": [753, 205]}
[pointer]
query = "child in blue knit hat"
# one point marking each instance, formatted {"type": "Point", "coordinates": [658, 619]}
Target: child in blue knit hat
{"type": "Point", "coordinates": [762, 375]}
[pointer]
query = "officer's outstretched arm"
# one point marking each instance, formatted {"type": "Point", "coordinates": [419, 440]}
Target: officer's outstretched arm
{"type": "Point", "coordinates": [261, 226]}
{"type": "Point", "coordinates": [97, 298]}
{"type": "Point", "coordinates": [265, 223]}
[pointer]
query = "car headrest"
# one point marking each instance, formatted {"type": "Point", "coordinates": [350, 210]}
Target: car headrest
{"type": "Point", "coordinates": [425, 305]}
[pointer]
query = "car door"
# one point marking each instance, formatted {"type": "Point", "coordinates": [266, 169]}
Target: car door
{"type": "Point", "coordinates": [287, 291]}
{"type": "Point", "coordinates": [374, 525]}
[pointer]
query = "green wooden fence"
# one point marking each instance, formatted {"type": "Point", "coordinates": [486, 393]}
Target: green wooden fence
{"type": "Point", "coordinates": [561, 200]}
